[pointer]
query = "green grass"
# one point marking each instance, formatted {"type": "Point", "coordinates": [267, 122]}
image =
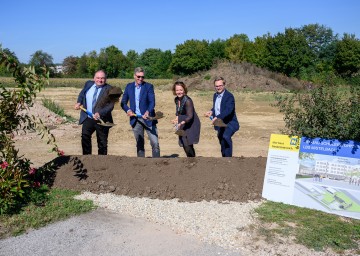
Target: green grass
{"type": "Point", "coordinates": [312, 228]}
{"type": "Point", "coordinates": [57, 109]}
{"type": "Point", "coordinates": [59, 205]}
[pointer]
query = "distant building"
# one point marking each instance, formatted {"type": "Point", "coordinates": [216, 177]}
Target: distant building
{"type": "Point", "coordinates": [58, 69]}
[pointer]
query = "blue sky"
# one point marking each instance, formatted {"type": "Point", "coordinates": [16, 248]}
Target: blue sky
{"type": "Point", "coordinates": [63, 28]}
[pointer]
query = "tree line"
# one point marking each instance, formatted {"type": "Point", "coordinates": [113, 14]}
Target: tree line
{"type": "Point", "coordinates": [312, 53]}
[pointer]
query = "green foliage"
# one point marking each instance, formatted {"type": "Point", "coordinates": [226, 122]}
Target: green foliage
{"type": "Point", "coordinates": [45, 207]}
{"type": "Point", "coordinates": [234, 48]}
{"type": "Point", "coordinates": [347, 58]}
{"type": "Point", "coordinates": [314, 229]}
{"type": "Point", "coordinates": [190, 57]}
{"type": "Point", "coordinates": [254, 52]}
{"type": "Point", "coordinates": [325, 111]}
{"type": "Point", "coordinates": [69, 65]}
{"type": "Point", "coordinates": [155, 62]}
{"type": "Point", "coordinates": [41, 59]}
{"type": "Point", "coordinates": [17, 178]}
{"type": "Point", "coordinates": [287, 53]}
{"type": "Point", "coordinates": [113, 61]}
{"type": "Point", "coordinates": [216, 50]}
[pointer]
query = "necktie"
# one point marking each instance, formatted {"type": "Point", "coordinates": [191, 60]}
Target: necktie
{"type": "Point", "coordinates": [94, 99]}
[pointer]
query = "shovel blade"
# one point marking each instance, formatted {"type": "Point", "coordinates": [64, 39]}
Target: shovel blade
{"type": "Point", "coordinates": [180, 132]}
{"type": "Point", "coordinates": [219, 123]}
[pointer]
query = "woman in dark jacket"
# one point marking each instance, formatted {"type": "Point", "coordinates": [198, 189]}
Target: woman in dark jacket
{"type": "Point", "coordinates": [187, 121]}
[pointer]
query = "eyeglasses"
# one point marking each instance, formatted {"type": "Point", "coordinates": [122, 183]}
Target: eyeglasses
{"type": "Point", "coordinates": [140, 77]}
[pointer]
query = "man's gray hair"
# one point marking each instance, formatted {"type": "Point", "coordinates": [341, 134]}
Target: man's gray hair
{"type": "Point", "coordinates": [139, 69]}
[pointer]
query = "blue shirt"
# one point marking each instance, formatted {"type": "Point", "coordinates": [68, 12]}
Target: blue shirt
{"type": "Point", "coordinates": [137, 99]}
{"type": "Point", "coordinates": [218, 103]}
{"type": "Point", "coordinates": [89, 97]}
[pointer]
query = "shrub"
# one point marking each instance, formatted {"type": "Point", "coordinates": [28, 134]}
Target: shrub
{"type": "Point", "coordinates": [17, 178]}
{"type": "Point", "coordinates": [326, 111]}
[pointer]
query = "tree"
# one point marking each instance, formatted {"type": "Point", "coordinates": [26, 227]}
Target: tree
{"type": "Point", "coordinates": [42, 59]}
{"type": "Point", "coordinates": [70, 65]}
{"type": "Point", "coordinates": [321, 41]}
{"type": "Point", "coordinates": [82, 67]}
{"type": "Point", "coordinates": [234, 49]}
{"type": "Point", "coordinates": [11, 55]}
{"type": "Point", "coordinates": [255, 52]}
{"type": "Point", "coordinates": [92, 63]}
{"type": "Point", "coordinates": [319, 38]}
{"type": "Point", "coordinates": [113, 61]}
{"type": "Point", "coordinates": [287, 53]}
{"type": "Point", "coordinates": [190, 57]}
{"type": "Point", "coordinates": [155, 62]}
{"type": "Point", "coordinates": [347, 56]}
{"type": "Point", "coordinates": [217, 50]}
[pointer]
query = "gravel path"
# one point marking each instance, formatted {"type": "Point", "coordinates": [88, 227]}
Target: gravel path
{"type": "Point", "coordinates": [211, 222]}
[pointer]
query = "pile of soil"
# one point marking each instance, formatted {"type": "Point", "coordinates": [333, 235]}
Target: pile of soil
{"type": "Point", "coordinates": [187, 179]}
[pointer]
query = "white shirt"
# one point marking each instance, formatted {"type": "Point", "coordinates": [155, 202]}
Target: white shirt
{"type": "Point", "coordinates": [218, 103]}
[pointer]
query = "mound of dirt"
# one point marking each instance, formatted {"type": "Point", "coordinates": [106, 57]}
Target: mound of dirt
{"type": "Point", "coordinates": [243, 76]}
{"type": "Point", "coordinates": [187, 179]}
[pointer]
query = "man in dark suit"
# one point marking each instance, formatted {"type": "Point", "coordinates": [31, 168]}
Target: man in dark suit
{"type": "Point", "coordinates": [90, 97]}
{"type": "Point", "coordinates": [224, 109]}
{"type": "Point", "coordinates": [141, 98]}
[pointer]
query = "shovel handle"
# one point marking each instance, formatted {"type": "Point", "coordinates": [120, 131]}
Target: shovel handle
{"type": "Point", "coordinates": [87, 111]}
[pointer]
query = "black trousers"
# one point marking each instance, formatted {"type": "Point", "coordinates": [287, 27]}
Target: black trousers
{"type": "Point", "coordinates": [89, 126]}
{"type": "Point", "coordinates": [189, 150]}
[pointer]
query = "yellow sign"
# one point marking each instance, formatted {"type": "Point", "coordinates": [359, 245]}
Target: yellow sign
{"type": "Point", "coordinates": [284, 142]}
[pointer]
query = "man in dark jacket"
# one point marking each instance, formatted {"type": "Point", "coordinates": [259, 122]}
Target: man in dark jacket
{"type": "Point", "coordinates": [140, 96]}
{"type": "Point", "coordinates": [90, 97]}
{"type": "Point", "coordinates": [224, 109]}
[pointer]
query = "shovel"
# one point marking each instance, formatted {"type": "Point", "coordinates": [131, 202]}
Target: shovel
{"type": "Point", "coordinates": [157, 116]}
{"type": "Point", "coordinates": [218, 122]}
{"type": "Point", "coordinates": [108, 124]}
{"type": "Point", "coordinates": [179, 132]}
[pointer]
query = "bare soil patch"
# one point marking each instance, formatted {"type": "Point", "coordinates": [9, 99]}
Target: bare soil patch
{"type": "Point", "coordinates": [187, 179]}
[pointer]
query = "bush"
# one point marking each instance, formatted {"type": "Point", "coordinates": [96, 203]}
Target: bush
{"type": "Point", "coordinates": [17, 178]}
{"type": "Point", "coordinates": [326, 111]}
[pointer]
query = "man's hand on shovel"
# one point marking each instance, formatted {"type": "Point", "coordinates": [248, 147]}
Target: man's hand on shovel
{"type": "Point", "coordinates": [95, 116]}
{"type": "Point", "coordinates": [215, 121]}
{"type": "Point", "coordinates": [157, 116]}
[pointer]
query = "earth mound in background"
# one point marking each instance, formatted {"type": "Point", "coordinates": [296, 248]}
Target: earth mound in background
{"type": "Point", "coordinates": [187, 179]}
{"type": "Point", "coordinates": [243, 76]}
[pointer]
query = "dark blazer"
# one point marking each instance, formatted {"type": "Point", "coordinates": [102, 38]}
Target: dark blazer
{"type": "Point", "coordinates": [104, 110]}
{"type": "Point", "coordinates": [227, 111]}
{"type": "Point", "coordinates": [147, 101]}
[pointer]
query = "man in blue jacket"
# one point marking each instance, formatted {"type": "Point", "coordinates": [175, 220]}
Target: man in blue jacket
{"type": "Point", "coordinates": [141, 98]}
{"type": "Point", "coordinates": [224, 109]}
{"type": "Point", "coordinates": [90, 98]}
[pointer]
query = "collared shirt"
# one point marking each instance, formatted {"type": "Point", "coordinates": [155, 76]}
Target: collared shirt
{"type": "Point", "coordinates": [137, 99]}
{"type": "Point", "coordinates": [218, 103]}
{"type": "Point", "coordinates": [90, 95]}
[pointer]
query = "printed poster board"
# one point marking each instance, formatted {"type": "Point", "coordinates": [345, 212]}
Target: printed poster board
{"type": "Point", "coordinates": [314, 173]}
